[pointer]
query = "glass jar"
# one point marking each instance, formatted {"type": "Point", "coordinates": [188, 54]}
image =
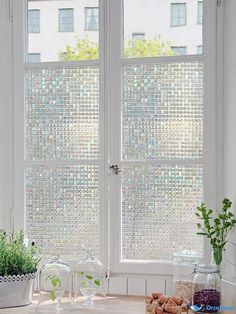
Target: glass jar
{"type": "Point", "coordinates": [89, 278]}
{"type": "Point", "coordinates": [206, 289]}
{"type": "Point", "coordinates": [55, 283]}
{"type": "Point", "coordinates": [184, 266]}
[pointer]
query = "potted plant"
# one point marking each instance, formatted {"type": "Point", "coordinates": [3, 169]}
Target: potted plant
{"type": "Point", "coordinates": [18, 265]}
{"type": "Point", "coordinates": [216, 228]}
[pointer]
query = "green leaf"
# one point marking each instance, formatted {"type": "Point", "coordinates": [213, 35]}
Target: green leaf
{"type": "Point", "coordinates": [53, 295]}
{"type": "Point", "coordinates": [218, 255]}
{"type": "Point", "coordinates": [202, 233]}
{"type": "Point", "coordinates": [89, 277]}
{"type": "Point", "coordinates": [97, 282]}
{"type": "Point", "coordinates": [83, 283]}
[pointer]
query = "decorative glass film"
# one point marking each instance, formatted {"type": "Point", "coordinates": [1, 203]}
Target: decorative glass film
{"type": "Point", "coordinates": [162, 114]}
{"type": "Point", "coordinates": [157, 200]}
{"type": "Point", "coordinates": [62, 208]}
{"type": "Point", "coordinates": [62, 113]}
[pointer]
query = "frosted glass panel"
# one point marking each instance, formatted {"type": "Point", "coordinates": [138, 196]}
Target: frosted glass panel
{"type": "Point", "coordinates": [158, 210]}
{"type": "Point", "coordinates": [62, 113]}
{"type": "Point", "coordinates": [62, 208]}
{"type": "Point", "coordinates": [162, 114]}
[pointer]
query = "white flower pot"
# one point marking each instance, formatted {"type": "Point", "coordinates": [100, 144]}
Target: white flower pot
{"type": "Point", "coordinates": [16, 290]}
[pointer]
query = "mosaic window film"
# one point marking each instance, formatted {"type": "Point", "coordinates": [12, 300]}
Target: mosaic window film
{"type": "Point", "coordinates": [62, 208]}
{"type": "Point", "coordinates": [155, 201]}
{"type": "Point", "coordinates": [162, 113]}
{"type": "Point", "coordinates": [62, 113]}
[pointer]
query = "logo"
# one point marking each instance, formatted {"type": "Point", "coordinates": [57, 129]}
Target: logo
{"type": "Point", "coordinates": [196, 308]}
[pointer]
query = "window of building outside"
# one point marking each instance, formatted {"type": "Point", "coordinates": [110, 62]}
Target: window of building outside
{"type": "Point", "coordinates": [138, 36]}
{"type": "Point", "coordinates": [179, 51]}
{"type": "Point", "coordinates": [66, 20]}
{"type": "Point", "coordinates": [178, 14]}
{"type": "Point", "coordinates": [91, 19]}
{"type": "Point", "coordinates": [34, 57]}
{"type": "Point", "coordinates": [199, 49]}
{"type": "Point", "coordinates": [33, 21]}
{"type": "Point", "coordinates": [155, 127]}
{"type": "Point", "coordinates": [200, 12]}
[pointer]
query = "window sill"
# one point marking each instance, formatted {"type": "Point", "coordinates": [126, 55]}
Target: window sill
{"type": "Point", "coordinates": [110, 304]}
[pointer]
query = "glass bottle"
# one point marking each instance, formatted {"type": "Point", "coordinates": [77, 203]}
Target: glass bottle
{"type": "Point", "coordinates": [184, 266]}
{"type": "Point", "coordinates": [89, 278]}
{"type": "Point", "coordinates": [55, 283]}
{"type": "Point", "coordinates": [206, 289]}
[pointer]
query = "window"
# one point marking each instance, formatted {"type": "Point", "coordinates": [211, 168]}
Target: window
{"type": "Point", "coordinates": [155, 126]}
{"type": "Point", "coordinates": [34, 57]}
{"type": "Point", "coordinates": [91, 19]}
{"type": "Point", "coordinates": [138, 36]}
{"type": "Point", "coordinates": [199, 49]}
{"type": "Point", "coordinates": [178, 14]}
{"type": "Point", "coordinates": [33, 21]}
{"type": "Point", "coordinates": [179, 51]}
{"type": "Point", "coordinates": [200, 12]}
{"type": "Point", "coordinates": [66, 20]}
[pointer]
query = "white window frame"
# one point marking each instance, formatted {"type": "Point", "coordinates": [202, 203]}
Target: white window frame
{"type": "Point", "coordinates": [210, 145]}
{"type": "Point", "coordinates": [110, 43]}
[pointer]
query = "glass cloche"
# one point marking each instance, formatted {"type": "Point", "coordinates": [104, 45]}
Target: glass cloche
{"type": "Point", "coordinates": [55, 283]}
{"type": "Point", "coordinates": [89, 278]}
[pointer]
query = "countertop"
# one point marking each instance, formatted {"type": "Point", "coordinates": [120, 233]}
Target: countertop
{"type": "Point", "coordinates": [108, 305]}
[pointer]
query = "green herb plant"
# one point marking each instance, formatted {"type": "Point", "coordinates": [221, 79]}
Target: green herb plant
{"type": "Point", "coordinates": [17, 258]}
{"type": "Point", "coordinates": [56, 284]}
{"type": "Point", "coordinates": [88, 279]}
{"type": "Point", "coordinates": [216, 229]}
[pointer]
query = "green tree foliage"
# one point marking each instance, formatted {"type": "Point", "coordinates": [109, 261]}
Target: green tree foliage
{"type": "Point", "coordinates": [147, 48]}
{"type": "Point", "coordinates": [84, 50]}
{"type": "Point", "coordinates": [87, 50]}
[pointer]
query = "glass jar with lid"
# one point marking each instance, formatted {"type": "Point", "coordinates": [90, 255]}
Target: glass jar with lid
{"type": "Point", "coordinates": [89, 278]}
{"type": "Point", "coordinates": [206, 289]}
{"type": "Point", "coordinates": [55, 283]}
{"type": "Point", "coordinates": [184, 266]}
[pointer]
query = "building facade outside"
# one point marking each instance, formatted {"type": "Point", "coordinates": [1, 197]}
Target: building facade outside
{"type": "Point", "coordinates": [54, 24]}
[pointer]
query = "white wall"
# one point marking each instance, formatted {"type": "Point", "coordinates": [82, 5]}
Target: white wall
{"type": "Point", "coordinates": [6, 193]}
{"type": "Point", "coordinates": [230, 140]}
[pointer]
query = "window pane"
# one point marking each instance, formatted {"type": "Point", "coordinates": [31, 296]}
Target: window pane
{"type": "Point", "coordinates": [179, 51]}
{"type": "Point", "coordinates": [62, 208]}
{"type": "Point", "coordinates": [62, 113]}
{"type": "Point", "coordinates": [162, 114]}
{"type": "Point", "coordinates": [33, 21]}
{"type": "Point", "coordinates": [158, 20]}
{"type": "Point", "coordinates": [91, 19]}
{"type": "Point", "coordinates": [155, 201]}
{"type": "Point", "coordinates": [200, 12]}
{"type": "Point", "coordinates": [178, 14]}
{"type": "Point", "coordinates": [66, 20]}
{"type": "Point", "coordinates": [62, 35]}
{"type": "Point", "coordinates": [34, 57]}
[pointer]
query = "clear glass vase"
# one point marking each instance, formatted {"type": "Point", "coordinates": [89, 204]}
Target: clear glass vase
{"type": "Point", "coordinates": [89, 278]}
{"type": "Point", "coordinates": [55, 284]}
{"type": "Point", "coordinates": [206, 289]}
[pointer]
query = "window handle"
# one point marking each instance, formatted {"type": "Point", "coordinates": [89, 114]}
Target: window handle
{"type": "Point", "coordinates": [115, 169]}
